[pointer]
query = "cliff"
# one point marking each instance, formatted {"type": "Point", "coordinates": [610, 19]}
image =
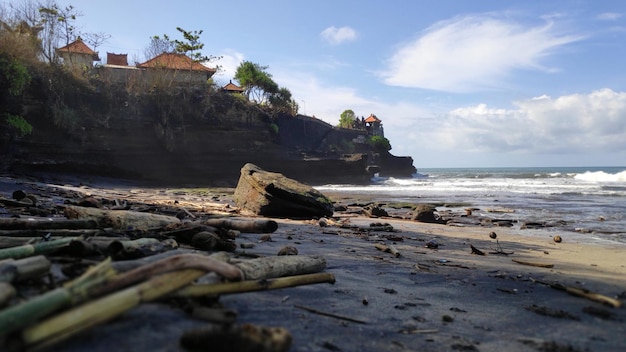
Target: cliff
{"type": "Point", "coordinates": [182, 136]}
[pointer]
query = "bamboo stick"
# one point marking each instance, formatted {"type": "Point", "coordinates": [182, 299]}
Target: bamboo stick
{"type": "Point", "coordinates": [18, 316]}
{"type": "Point", "coordinates": [24, 269]}
{"type": "Point", "coordinates": [90, 314]}
{"type": "Point", "coordinates": [183, 261]}
{"type": "Point", "coordinates": [575, 291]}
{"type": "Point", "coordinates": [244, 225]}
{"type": "Point", "coordinates": [540, 265]}
{"type": "Point", "coordinates": [214, 290]}
{"type": "Point", "coordinates": [32, 249]}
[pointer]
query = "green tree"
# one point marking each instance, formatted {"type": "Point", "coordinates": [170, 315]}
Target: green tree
{"type": "Point", "coordinates": [380, 143]}
{"type": "Point", "coordinates": [282, 101]}
{"type": "Point", "coordinates": [58, 27]}
{"type": "Point", "coordinates": [347, 118]}
{"type": "Point", "coordinates": [158, 45]}
{"type": "Point", "coordinates": [256, 82]}
{"type": "Point", "coordinates": [14, 78]}
{"type": "Point", "coordinates": [190, 46]}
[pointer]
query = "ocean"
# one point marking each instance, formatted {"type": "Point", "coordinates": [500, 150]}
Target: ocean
{"type": "Point", "coordinates": [587, 204]}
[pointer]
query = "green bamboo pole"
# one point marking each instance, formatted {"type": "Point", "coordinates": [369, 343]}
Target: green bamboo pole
{"type": "Point", "coordinates": [24, 269]}
{"type": "Point", "coordinates": [20, 315]}
{"type": "Point", "coordinates": [38, 248]}
{"type": "Point", "coordinates": [85, 316]}
{"type": "Point", "coordinates": [212, 290]}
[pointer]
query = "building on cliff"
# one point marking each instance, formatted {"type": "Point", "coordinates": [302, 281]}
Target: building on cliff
{"type": "Point", "coordinates": [166, 69]}
{"type": "Point", "coordinates": [374, 126]}
{"type": "Point", "coordinates": [232, 88]}
{"type": "Point", "coordinates": [77, 55]}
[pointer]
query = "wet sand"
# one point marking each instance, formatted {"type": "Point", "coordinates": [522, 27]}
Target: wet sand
{"type": "Point", "coordinates": [425, 299]}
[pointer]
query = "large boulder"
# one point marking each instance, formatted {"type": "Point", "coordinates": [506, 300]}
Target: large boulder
{"type": "Point", "coordinates": [426, 213]}
{"type": "Point", "coordinates": [274, 195]}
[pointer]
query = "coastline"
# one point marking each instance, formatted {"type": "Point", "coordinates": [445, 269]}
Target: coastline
{"type": "Point", "coordinates": [427, 299]}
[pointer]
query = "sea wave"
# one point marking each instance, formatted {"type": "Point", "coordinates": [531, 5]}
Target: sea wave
{"type": "Point", "coordinates": [601, 176]}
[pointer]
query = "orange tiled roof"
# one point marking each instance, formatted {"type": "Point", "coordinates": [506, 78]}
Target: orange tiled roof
{"type": "Point", "coordinates": [79, 47]}
{"type": "Point", "coordinates": [175, 61]}
{"type": "Point", "coordinates": [372, 118]}
{"type": "Point", "coordinates": [117, 59]}
{"type": "Point", "coordinates": [231, 87]}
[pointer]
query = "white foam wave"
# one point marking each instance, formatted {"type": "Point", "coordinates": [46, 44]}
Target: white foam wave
{"type": "Point", "coordinates": [601, 176]}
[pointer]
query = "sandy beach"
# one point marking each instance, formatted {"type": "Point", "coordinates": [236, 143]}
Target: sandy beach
{"type": "Point", "coordinates": [430, 292]}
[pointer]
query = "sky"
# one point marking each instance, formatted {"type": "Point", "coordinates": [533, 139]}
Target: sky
{"type": "Point", "coordinates": [456, 83]}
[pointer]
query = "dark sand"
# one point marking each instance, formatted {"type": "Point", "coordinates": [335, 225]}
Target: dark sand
{"type": "Point", "coordinates": [443, 299]}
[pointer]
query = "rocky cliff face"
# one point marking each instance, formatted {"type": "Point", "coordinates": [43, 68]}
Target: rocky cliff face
{"type": "Point", "coordinates": [182, 138]}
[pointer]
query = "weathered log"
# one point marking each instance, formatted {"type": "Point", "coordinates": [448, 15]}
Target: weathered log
{"type": "Point", "coordinates": [244, 225]}
{"type": "Point", "coordinates": [117, 246]}
{"type": "Point", "coordinates": [24, 269]}
{"type": "Point", "coordinates": [144, 250]}
{"type": "Point", "coordinates": [272, 194]}
{"type": "Point", "coordinates": [121, 219]}
{"type": "Point", "coordinates": [38, 248]}
{"type": "Point", "coordinates": [279, 266]}
{"type": "Point", "coordinates": [31, 224]}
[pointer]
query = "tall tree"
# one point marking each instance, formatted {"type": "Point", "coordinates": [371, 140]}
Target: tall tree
{"type": "Point", "coordinates": [158, 45]}
{"type": "Point", "coordinates": [59, 27]}
{"type": "Point", "coordinates": [256, 81]}
{"type": "Point", "coordinates": [190, 46]}
{"type": "Point", "coordinates": [282, 101]}
{"type": "Point", "coordinates": [347, 118]}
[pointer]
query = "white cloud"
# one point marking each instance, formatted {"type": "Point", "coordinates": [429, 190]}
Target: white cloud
{"type": "Point", "coordinates": [336, 36]}
{"type": "Point", "coordinates": [571, 124]}
{"type": "Point", "coordinates": [471, 53]}
{"type": "Point", "coordinates": [609, 16]}
{"type": "Point", "coordinates": [229, 62]}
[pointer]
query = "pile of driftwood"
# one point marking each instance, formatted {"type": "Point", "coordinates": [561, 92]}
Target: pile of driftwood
{"type": "Point", "coordinates": [81, 266]}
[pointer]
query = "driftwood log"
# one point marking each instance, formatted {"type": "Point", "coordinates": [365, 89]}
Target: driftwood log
{"type": "Point", "coordinates": [121, 219]}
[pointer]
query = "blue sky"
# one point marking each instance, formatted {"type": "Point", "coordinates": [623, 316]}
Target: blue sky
{"type": "Point", "coordinates": [456, 83]}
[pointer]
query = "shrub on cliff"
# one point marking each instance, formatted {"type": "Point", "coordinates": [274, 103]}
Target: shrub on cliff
{"type": "Point", "coordinates": [380, 143]}
{"type": "Point", "coordinates": [14, 78]}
